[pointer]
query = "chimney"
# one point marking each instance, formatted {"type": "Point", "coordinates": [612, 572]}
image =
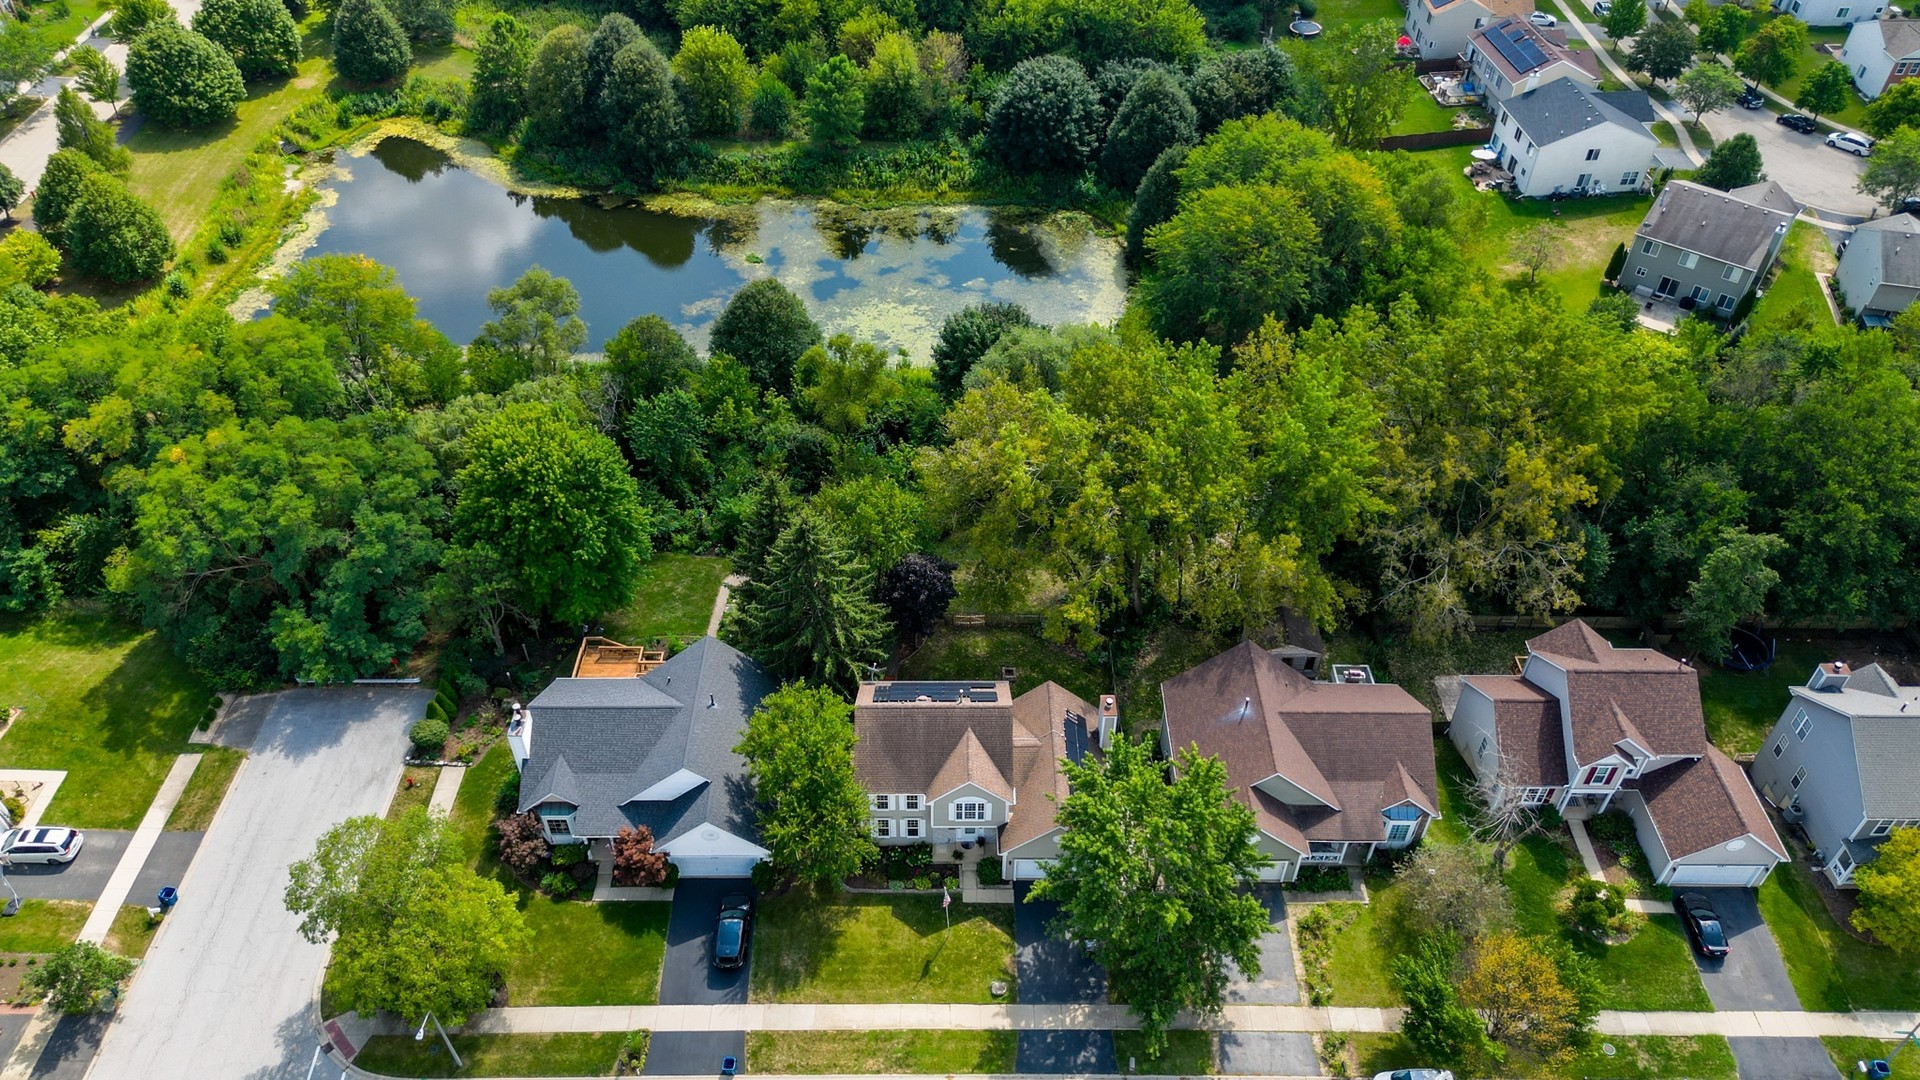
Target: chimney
{"type": "Point", "coordinates": [520, 735]}
{"type": "Point", "coordinates": [1829, 676]}
{"type": "Point", "coordinates": [1109, 719]}
{"type": "Point", "coordinates": [1533, 81]}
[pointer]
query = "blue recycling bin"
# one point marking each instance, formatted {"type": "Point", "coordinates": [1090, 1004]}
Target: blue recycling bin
{"type": "Point", "coordinates": [1879, 1069]}
{"type": "Point", "coordinates": [169, 896]}
{"type": "Point", "coordinates": [728, 1066]}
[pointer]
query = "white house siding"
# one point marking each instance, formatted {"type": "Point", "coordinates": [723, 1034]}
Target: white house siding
{"type": "Point", "coordinates": [1858, 278]}
{"type": "Point", "coordinates": [1473, 721]}
{"type": "Point", "coordinates": [1831, 12]}
{"type": "Point", "coordinates": [1865, 55]}
{"type": "Point", "coordinates": [1561, 165]}
{"type": "Point", "coordinates": [1443, 33]}
{"type": "Point", "coordinates": [1498, 87]}
{"type": "Point", "coordinates": [1829, 797]}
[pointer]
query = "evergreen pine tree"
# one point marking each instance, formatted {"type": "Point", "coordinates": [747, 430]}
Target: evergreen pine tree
{"type": "Point", "coordinates": [809, 617]}
{"type": "Point", "coordinates": [78, 129]}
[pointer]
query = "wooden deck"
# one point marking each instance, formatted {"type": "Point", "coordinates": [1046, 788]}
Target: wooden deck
{"type": "Point", "coordinates": [605, 658]}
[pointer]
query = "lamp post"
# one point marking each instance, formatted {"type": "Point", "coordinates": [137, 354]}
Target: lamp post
{"type": "Point", "coordinates": [421, 1036]}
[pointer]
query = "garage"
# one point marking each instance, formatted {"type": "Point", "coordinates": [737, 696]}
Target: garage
{"type": "Point", "coordinates": [1741, 877]}
{"type": "Point", "coordinates": [1279, 871]}
{"type": "Point", "coordinates": [715, 866]}
{"type": "Point", "coordinates": [1029, 869]}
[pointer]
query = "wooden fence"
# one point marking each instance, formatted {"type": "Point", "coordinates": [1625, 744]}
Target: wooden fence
{"type": "Point", "coordinates": [1432, 139]}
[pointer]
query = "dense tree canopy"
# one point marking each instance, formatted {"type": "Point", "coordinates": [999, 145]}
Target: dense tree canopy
{"type": "Point", "coordinates": [1734, 163]}
{"type": "Point", "coordinates": [766, 327]}
{"type": "Point", "coordinates": [813, 810]}
{"type": "Point", "coordinates": [500, 75]}
{"type": "Point", "coordinates": [182, 80]}
{"type": "Point", "coordinates": [258, 34]}
{"type": "Point", "coordinates": [715, 80]}
{"type": "Point", "coordinates": [1046, 117]}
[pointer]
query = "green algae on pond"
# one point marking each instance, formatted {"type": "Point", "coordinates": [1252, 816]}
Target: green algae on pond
{"type": "Point", "coordinates": [887, 276]}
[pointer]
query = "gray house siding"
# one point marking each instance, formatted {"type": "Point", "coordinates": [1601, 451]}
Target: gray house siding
{"type": "Point", "coordinates": [1644, 271]}
{"type": "Point", "coordinates": [1829, 796]}
{"type": "Point", "coordinates": [1472, 723]}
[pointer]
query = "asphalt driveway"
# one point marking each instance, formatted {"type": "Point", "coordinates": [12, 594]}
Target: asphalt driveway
{"type": "Point", "coordinates": [1812, 172]}
{"type": "Point", "coordinates": [1276, 984]}
{"type": "Point", "coordinates": [1054, 971]}
{"type": "Point", "coordinates": [85, 878]}
{"type": "Point", "coordinates": [1782, 1059]}
{"type": "Point", "coordinates": [1753, 976]}
{"type": "Point", "coordinates": [227, 988]}
{"type": "Point", "coordinates": [687, 977]}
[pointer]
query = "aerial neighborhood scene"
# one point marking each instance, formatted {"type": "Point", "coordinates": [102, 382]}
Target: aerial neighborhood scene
{"type": "Point", "coordinates": [1363, 539]}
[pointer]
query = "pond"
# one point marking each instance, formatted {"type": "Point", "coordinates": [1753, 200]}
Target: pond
{"type": "Point", "coordinates": [890, 277]}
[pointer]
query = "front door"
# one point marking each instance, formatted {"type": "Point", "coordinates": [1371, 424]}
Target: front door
{"type": "Point", "coordinates": [1668, 287]}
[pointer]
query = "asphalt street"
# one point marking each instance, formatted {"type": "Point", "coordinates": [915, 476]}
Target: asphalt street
{"type": "Point", "coordinates": [1812, 172]}
{"type": "Point", "coordinates": [227, 987]}
{"type": "Point", "coordinates": [687, 977]}
{"type": "Point", "coordinates": [1054, 971]}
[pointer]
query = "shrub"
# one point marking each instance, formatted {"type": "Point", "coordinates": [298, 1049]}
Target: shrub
{"type": "Point", "coordinates": [565, 855]}
{"type": "Point", "coordinates": [110, 233]}
{"type": "Point", "coordinates": [27, 258]}
{"type": "Point", "coordinates": [1612, 829]}
{"type": "Point", "coordinates": [633, 1052]}
{"type": "Point", "coordinates": [258, 34]}
{"type": "Point", "coordinates": [1320, 879]}
{"type": "Point", "coordinates": [182, 80]}
{"type": "Point", "coordinates": [429, 734]}
{"type": "Point", "coordinates": [921, 882]}
{"type": "Point", "coordinates": [77, 978]}
{"type": "Point", "coordinates": [560, 884]}
{"type": "Point", "coordinates": [765, 877]}
{"type": "Point", "coordinates": [635, 863]}
{"type": "Point", "coordinates": [508, 800]}
{"type": "Point", "coordinates": [16, 808]}
{"type": "Point", "coordinates": [522, 843]}
{"type": "Point", "coordinates": [1598, 908]}
{"type": "Point", "coordinates": [989, 873]}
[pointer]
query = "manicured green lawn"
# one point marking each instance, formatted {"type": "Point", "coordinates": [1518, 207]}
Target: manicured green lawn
{"type": "Point", "coordinates": [1634, 1058]}
{"type": "Point", "coordinates": [65, 28]}
{"type": "Point", "coordinates": [1363, 953]}
{"type": "Point", "coordinates": [571, 1054]}
{"type": "Point", "coordinates": [1848, 1052]}
{"type": "Point", "coordinates": [1794, 298]}
{"type": "Point", "coordinates": [673, 600]}
{"type": "Point", "coordinates": [1832, 970]}
{"type": "Point", "coordinates": [1811, 60]}
{"type": "Point", "coordinates": [105, 701]}
{"type": "Point", "coordinates": [1741, 707]}
{"type": "Point", "coordinates": [870, 1052]}
{"type": "Point", "coordinates": [132, 932]}
{"type": "Point", "coordinates": [1422, 114]}
{"type": "Point", "coordinates": [866, 947]}
{"type": "Point", "coordinates": [980, 654]}
{"type": "Point", "coordinates": [415, 788]}
{"type": "Point", "coordinates": [589, 954]}
{"type": "Point", "coordinates": [472, 816]}
{"type": "Point", "coordinates": [43, 925]}
{"type": "Point", "coordinates": [1335, 13]}
{"type": "Point", "coordinates": [211, 778]}
{"type": "Point", "coordinates": [1187, 1053]}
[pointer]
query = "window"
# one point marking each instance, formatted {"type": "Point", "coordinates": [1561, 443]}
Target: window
{"type": "Point", "coordinates": [1629, 179]}
{"type": "Point", "coordinates": [1399, 833]}
{"type": "Point", "coordinates": [1534, 796]}
{"type": "Point", "coordinates": [559, 826]}
{"type": "Point", "coordinates": [1639, 271]}
{"type": "Point", "coordinates": [1731, 273]}
{"type": "Point", "coordinates": [1842, 13]}
{"type": "Point", "coordinates": [1529, 147]}
{"type": "Point", "coordinates": [1325, 847]}
{"type": "Point", "coordinates": [1689, 260]}
{"type": "Point", "coordinates": [1799, 777]}
{"type": "Point", "coordinates": [1700, 293]}
{"type": "Point", "coordinates": [882, 827]}
{"type": "Point", "coordinates": [1779, 746]}
{"type": "Point", "coordinates": [1881, 828]}
{"type": "Point", "coordinates": [1802, 724]}
{"type": "Point", "coordinates": [881, 802]}
{"type": "Point", "coordinates": [1485, 741]}
{"type": "Point", "coordinates": [969, 810]}
{"type": "Point", "coordinates": [1593, 155]}
{"type": "Point", "coordinates": [912, 827]}
{"type": "Point", "coordinates": [1725, 303]}
{"type": "Point", "coordinates": [1650, 247]}
{"type": "Point", "coordinates": [909, 802]}
{"type": "Point", "coordinates": [1601, 775]}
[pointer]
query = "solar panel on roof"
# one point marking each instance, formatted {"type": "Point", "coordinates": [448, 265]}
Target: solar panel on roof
{"type": "Point", "coordinates": [1517, 48]}
{"type": "Point", "coordinates": [1076, 735]}
{"type": "Point", "coordinates": [944, 692]}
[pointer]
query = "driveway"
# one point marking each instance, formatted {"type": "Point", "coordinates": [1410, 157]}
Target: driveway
{"type": "Point", "coordinates": [85, 878]}
{"type": "Point", "coordinates": [1754, 977]}
{"type": "Point", "coordinates": [687, 977]}
{"type": "Point", "coordinates": [227, 988]}
{"type": "Point", "coordinates": [1054, 971]}
{"type": "Point", "coordinates": [1276, 984]}
{"type": "Point", "coordinates": [1782, 1059]}
{"type": "Point", "coordinates": [1811, 171]}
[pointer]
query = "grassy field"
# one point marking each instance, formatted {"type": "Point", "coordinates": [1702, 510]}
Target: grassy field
{"type": "Point", "coordinates": [1794, 298]}
{"type": "Point", "coordinates": [1848, 1051]}
{"type": "Point", "coordinates": [132, 932]}
{"type": "Point", "coordinates": [1422, 115]}
{"type": "Point", "coordinates": [415, 788]}
{"type": "Point", "coordinates": [65, 28]}
{"type": "Point", "coordinates": [473, 806]}
{"type": "Point", "coordinates": [1646, 1057]}
{"type": "Point", "coordinates": [1188, 1053]}
{"type": "Point", "coordinates": [105, 701]}
{"type": "Point", "coordinates": [570, 1054]}
{"type": "Point", "coordinates": [43, 925]}
{"type": "Point", "coordinates": [179, 172]}
{"type": "Point", "coordinates": [865, 947]}
{"type": "Point", "coordinates": [674, 599]}
{"type": "Point", "coordinates": [589, 954]}
{"type": "Point", "coordinates": [980, 654]}
{"type": "Point", "coordinates": [211, 778]}
{"type": "Point", "coordinates": [880, 1052]}
{"type": "Point", "coordinates": [1363, 954]}
{"type": "Point", "coordinates": [1832, 970]}
{"type": "Point", "coordinates": [1741, 707]}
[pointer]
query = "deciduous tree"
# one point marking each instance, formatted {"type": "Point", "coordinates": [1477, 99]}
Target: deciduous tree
{"type": "Point", "coordinates": [1892, 174]}
{"type": "Point", "coordinates": [258, 34]}
{"type": "Point", "coordinates": [1827, 90]}
{"type": "Point", "coordinates": [715, 78]}
{"type": "Point", "coordinates": [772, 108]}
{"type": "Point", "coordinates": [369, 44]}
{"type": "Point", "coordinates": [1155, 201]}
{"type": "Point", "coordinates": [1231, 257]}
{"type": "Point", "coordinates": [1708, 87]}
{"type": "Point", "coordinates": [78, 129]}
{"type": "Point", "coordinates": [812, 808]}
{"type": "Point", "coordinates": [182, 80]}
{"type": "Point", "coordinates": [896, 103]}
{"type": "Point", "coordinates": [78, 977]}
{"type": "Point", "coordinates": [765, 327]}
{"type": "Point", "coordinates": [97, 77]}
{"type": "Point", "coordinates": [381, 351]}
{"type": "Point", "coordinates": [835, 104]}
{"type": "Point", "coordinates": [1364, 85]}
{"type": "Point", "coordinates": [1535, 249]}
{"type": "Point", "coordinates": [1448, 890]}
{"type": "Point", "coordinates": [642, 114]}
{"type": "Point", "coordinates": [1890, 893]}
{"type": "Point", "coordinates": [1154, 116]}
{"type": "Point", "coordinates": [807, 615]}
{"type": "Point", "coordinates": [1897, 107]}
{"type": "Point", "coordinates": [916, 592]}
{"type": "Point", "coordinates": [1436, 1023]}
{"type": "Point", "coordinates": [1663, 50]}
{"type": "Point", "coordinates": [635, 863]}
{"type": "Point", "coordinates": [109, 233]}
{"type": "Point", "coordinates": [1734, 163]}
{"type": "Point", "coordinates": [965, 337]}
{"type": "Point", "coordinates": [12, 190]}
{"type": "Point", "coordinates": [1721, 29]}
{"type": "Point", "coordinates": [1733, 586]}
{"type": "Point", "coordinates": [500, 75]}
{"type": "Point", "coordinates": [1515, 985]}
{"type": "Point", "coordinates": [535, 330]}
{"type": "Point", "coordinates": [1155, 874]}
{"type": "Point", "coordinates": [557, 105]}
{"type": "Point", "coordinates": [131, 18]}
{"type": "Point", "coordinates": [1772, 54]}
{"type": "Point", "coordinates": [429, 22]}
{"type": "Point", "coordinates": [1626, 19]}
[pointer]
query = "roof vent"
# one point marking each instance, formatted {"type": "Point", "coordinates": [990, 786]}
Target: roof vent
{"type": "Point", "coordinates": [1246, 707]}
{"type": "Point", "coordinates": [710, 702]}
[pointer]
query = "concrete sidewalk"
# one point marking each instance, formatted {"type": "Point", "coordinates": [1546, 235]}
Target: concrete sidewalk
{"type": "Point", "coordinates": [100, 920]}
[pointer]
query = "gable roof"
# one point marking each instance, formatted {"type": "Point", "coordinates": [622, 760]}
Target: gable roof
{"type": "Point", "coordinates": [1615, 694]}
{"type": "Point", "coordinates": [1770, 194]}
{"type": "Point", "coordinates": [1885, 717]}
{"type": "Point", "coordinates": [969, 764]}
{"type": "Point", "coordinates": [596, 743]}
{"type": "Point", "coordinates": [1563, 108]}
{"type": "Point", "coordinates": [1704, 804]}
{"type": "Point", "coordinates": [1517, 48]}
{"type": "Point", "coordinates": [909, 742]}
{"type": "Point", "coordinates": [1716, 224]}
{"type": "Point", "coordinates": [1526, 723]}
{"type": "Point", "coordinates": [1894, 243]}
{"type": "Point", "coordinates": [1359, 747]}
{"type": "Point", "coordinates": [1053, 725]}
{"type": "Point", "coordinates": [1898, 37]}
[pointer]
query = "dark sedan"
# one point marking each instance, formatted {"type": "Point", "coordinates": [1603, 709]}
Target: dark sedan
{"type": "Point", "coordinates": [731, 935]}
{"type": "Point", "coordinates": [1751, 98]}
{"type": "Point", "coordinates": [1703, 925]}
{"type": "Point", "coordinates": [1798, 122]}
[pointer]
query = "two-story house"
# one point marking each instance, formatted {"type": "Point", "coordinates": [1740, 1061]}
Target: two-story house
{"type": "Point", "coordinates": [1879, 272]}
{"type": "Point", "coordinates": [1512, 56]}
{"type": "Point", "coordinates": [1831, 12]}
{"type": "Point", "coordinates": [968, 763]}
{"type": "Point", "coordinates": [1586, 727]}
{"type": "Point", "coordinates": [1706, 248]}
{"type": "Point", "coordinates": [1440, 28]}
{"type": "Point", "coordinates": [1844, 761]}
{"type": "Point", "coordinates": [599, 754]}
{"type": "Point", "coordinates": [1333, 771]}
{"type": "Point", "coordinates": [1566, 136]}
{"type": "Point", "coordinates": [1881, 52]}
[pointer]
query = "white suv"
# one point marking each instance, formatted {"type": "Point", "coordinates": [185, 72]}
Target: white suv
{"type": "Point", "coordinates": [1857, 145]}
{"type": "Point", "coordinates": [40, 845]}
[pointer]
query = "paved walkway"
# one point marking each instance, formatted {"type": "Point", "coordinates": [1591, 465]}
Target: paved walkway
{"type": "Point", "coordinates": [1620, 73]}
{"type": "Point", "coordinates": [727, 585]}
{"type": "Point", "coordinates": [120, 885]}
{"type": "Point", "coordinates": [26, 148]}
{"type": "Point", "coordinates": [445, 788]}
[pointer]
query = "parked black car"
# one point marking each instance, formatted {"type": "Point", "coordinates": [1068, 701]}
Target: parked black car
{"type": "Point", "coordinates": [1750, 98]}
{"type": "Point", "coordinates": [1798, 122]}
{"type": "Point", "coordinates": [1703, 925]}
{"type": "Point", "coordinates": [734, 930]}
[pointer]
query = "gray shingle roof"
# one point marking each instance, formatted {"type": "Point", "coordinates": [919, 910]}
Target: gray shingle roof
{"type": "Point", "coordinates": [1713, 223]}
{"type": "Point", "coordinates": [1634, 103]}
{"type": "Point", "coordinates": [599, 742]}
{"type": "Point", "coordinates": [1769, 194]}
{"type": "Point", "coordinates": [1896, 241]}
{"type": "Point", "coordinates": [1899, 37]}
{"type": "Point", "coordinates": [1564, 108]}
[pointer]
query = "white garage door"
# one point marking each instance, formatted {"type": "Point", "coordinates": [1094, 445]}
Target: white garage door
{"type": "Point", "coordinates": [1733, 876]}
{"type": "Point", "coordinates": [716, 866]}
{"type": "Point", "coordinates": [1029, 869]}
{"type": "Point", "coordinates": [1274, 871]}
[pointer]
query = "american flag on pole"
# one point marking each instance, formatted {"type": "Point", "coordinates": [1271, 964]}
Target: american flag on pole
{"type": "Point", "coordinates": [946, 898]}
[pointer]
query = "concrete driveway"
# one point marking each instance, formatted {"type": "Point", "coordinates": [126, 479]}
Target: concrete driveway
{"type": "Point", "coordinates": [1812, 172]}
{"type": "Point", "coordinates": [1054, 971]}
{"type": "Point", "coordinates": [227, 988]}
{"type": "Point", "coordinates": [687, 977]}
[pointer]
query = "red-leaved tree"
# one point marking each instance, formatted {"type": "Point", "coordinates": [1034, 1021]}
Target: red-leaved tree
{"type": "Point", "coordinates": [634, 860]}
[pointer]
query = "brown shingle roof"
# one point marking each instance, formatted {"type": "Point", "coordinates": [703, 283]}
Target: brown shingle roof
{"type": "Point", "coordinates": [969, 764]}
{"type": "Point", "coordinates": [1526, 721]}
{"type": "Point", "coordinates": [1698, 805]}
{"type": "Point", "coordinates": [1353, 745]}
{"type": "Point", "coordinates": [905, 746]}
{"type": "Point", "coordinates": [1039, 744]}
{"type": "Point", "coordinates": [1615, 694]}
